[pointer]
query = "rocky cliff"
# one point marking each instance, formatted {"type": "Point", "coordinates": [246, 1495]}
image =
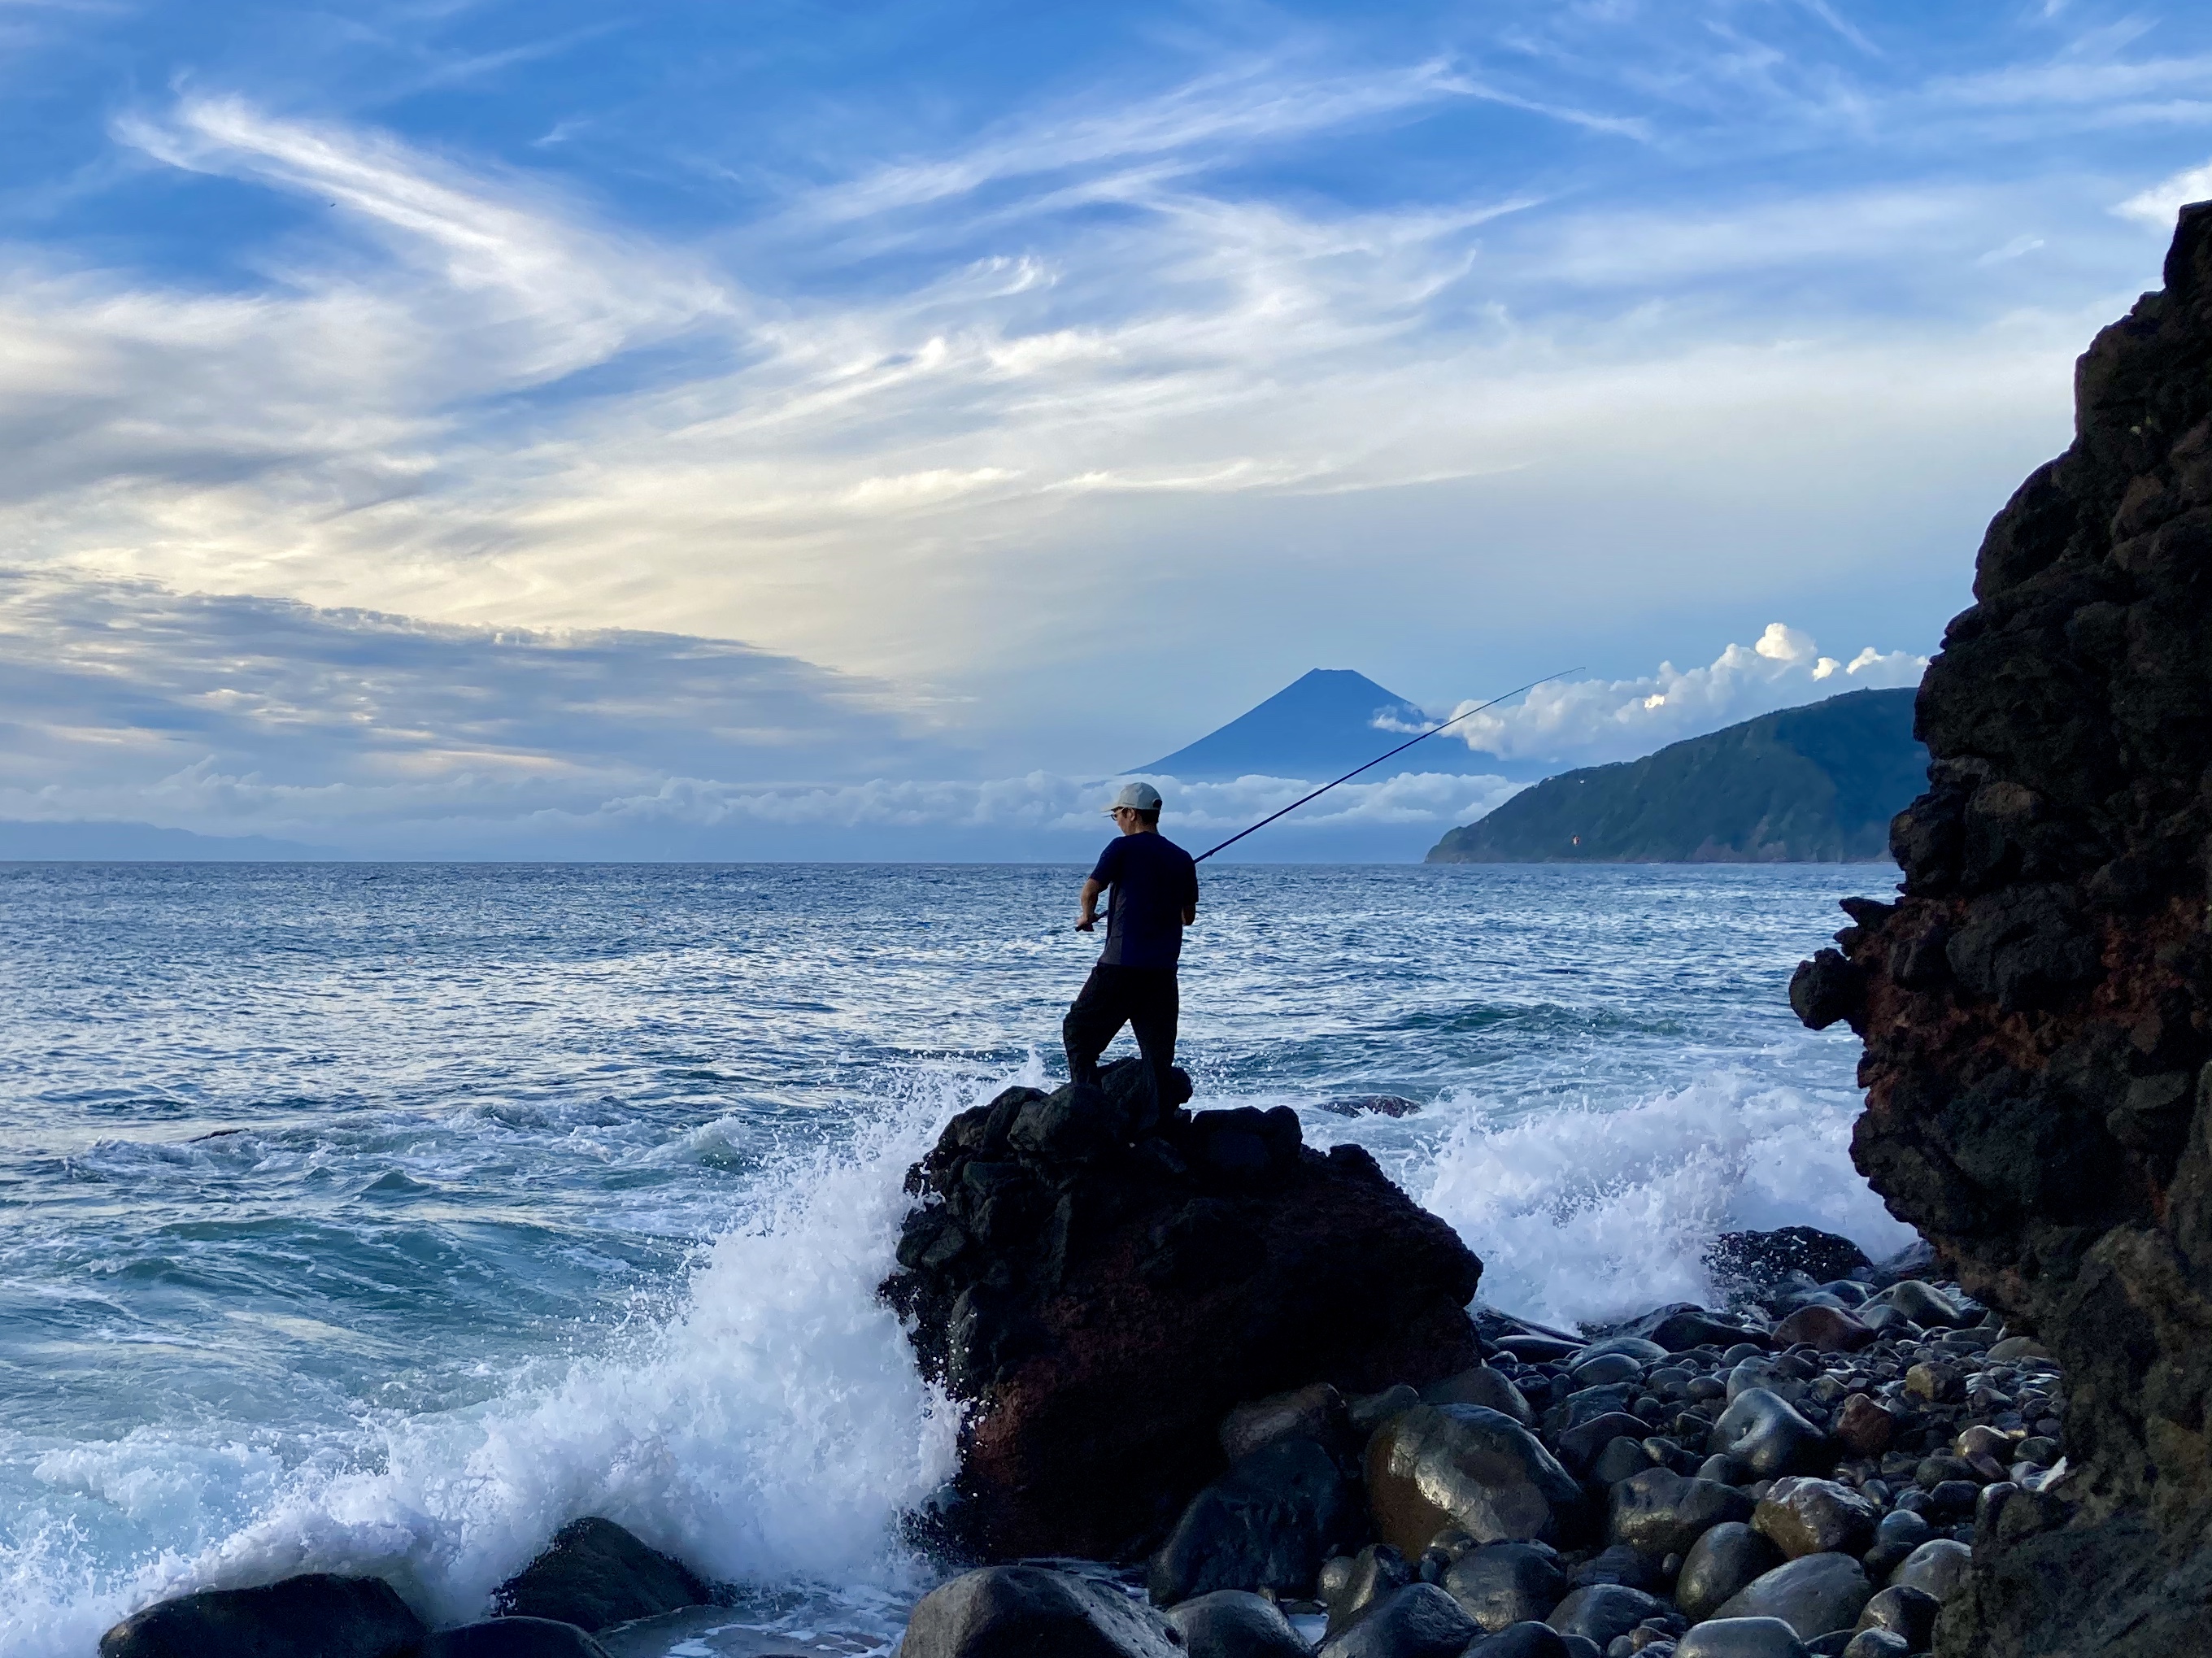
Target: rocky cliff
{"type": "Point", "coordinates": [2035, 1006]}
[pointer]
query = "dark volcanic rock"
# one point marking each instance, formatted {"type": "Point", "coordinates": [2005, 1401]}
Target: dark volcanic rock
{"type": "Point", "coordinates": [1017, 1612]}
{"type": "Point", "coordinates": [1368, 1578]}
{"type": "Point", "coordinates": [1480, 1386]}
{"type": "Point", "coordinates": [1316, 1413]}
{"type": "Point", "coordinates": [1680, 1329]}
{"type": "Point", "coordinates": [1506, 1583]}
{"type": "Point", "coordinates": [1530, 1640]}
{"type": "Point", "coordinates": [1903, 1610]}
{"type": "Point", "coordinates": [2036, 1008]}
{"type": "Point", "coordinates": [1760, 1430]}
{"type": "Point", "coordinates": [1418, 1621]}
{"type": "Point", "coordinates": [1108, 1303]}
{"type": "Point", "coordinates": [1265, 1524]}
{"type": "Point", "coordinates": [315, 1616]}
{"type": "Point", "coordinates": [1374, 1105]}
{"type": "Point", "coordinates": [1814, 1595]}
{"type": "Point", "coordinates": [1460, 1465]}
{"type": "Point", "coordinates": [1233, 1624]}
{"type": "Point", "coordinates": [1758, 1261]}
{"type": "Point", "coordinates": [593, 1574]}
{"type": "Point", "coordinates": [1815, 1517]}
{"type": "Point", "coordinates": [1741, 1637]}
{"type": "Point", "coordinates": [1659, 1512]}
{"type": "Point", "coordinates": [1723, 1562]}
{"type": "Point", "coordinates": [1603, 1611]}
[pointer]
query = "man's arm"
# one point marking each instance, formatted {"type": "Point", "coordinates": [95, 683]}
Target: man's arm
{"type": "Point", "coordinates": [1190, 898]}
{"type": "Point", "coordinates": [1088, 913]}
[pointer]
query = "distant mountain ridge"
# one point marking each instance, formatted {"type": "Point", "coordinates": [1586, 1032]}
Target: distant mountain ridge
{"type": "Point", "coordinates": [1817, 784]}
{"type": "Point", "coordinates": [1319, 727]}
{"type": "Point", "coordinates": [103, 842]}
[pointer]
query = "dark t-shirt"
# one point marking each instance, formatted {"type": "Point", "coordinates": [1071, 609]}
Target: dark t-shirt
{"type": "Point", "coordinates": [1154, 881]}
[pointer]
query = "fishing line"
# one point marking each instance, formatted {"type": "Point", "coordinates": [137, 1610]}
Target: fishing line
{"type": "Point", "coordinates": [1380, 758]}
{"type": "Point", "coordinates": [1422, 736]}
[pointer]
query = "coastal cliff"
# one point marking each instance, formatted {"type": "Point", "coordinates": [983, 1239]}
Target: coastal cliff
{"type": "Point", "coordinates": [2037, 1007]}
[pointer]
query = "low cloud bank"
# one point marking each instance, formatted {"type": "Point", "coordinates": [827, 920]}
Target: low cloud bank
{"type": "Point", "coordinates": [1596, 720]}
{"type": "Point", "coordinates": [381, 736]}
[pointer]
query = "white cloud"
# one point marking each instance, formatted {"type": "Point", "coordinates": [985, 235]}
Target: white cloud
{"type": "Point", "coordinates": [913, 476]}
{"type": "Point", "coordinates": [1597, 720]}
{"type": "Point", "coordinates": [2158, 206]}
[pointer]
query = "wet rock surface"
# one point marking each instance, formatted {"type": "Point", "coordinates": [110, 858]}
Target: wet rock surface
{"type": "Point", "coordinates": [1234, 1623]}
{"type": "Point", "coordinates": [317, 1615]}
{"type": "Point", "coordinates": [1009, 1612]}
{"type": "Point", "coordinates": [1464, 1468]}
{"type": "Point", "coordinates": [1507, 1583]}
{"type": "Point", "coordinates": [594, 1574]}
{"type": "Point", "coordinates": [1417, 1621]}
{"type": "Point", "coordinates": [1813, 1594]}
{"type": "Point", "coordinates": [1106, 1288]}
{"type": "Point", "coordinates": [1741, 1637]}
{"type": "Point", "coordinates": [1267, 1524]}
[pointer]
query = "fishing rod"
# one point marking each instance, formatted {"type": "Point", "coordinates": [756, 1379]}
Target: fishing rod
{"type": "Point", "coordinates": [1422, 738]}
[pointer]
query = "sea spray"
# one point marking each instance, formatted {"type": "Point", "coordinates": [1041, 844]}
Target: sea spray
{"type": "Point", "coordinates": [1587, 1215]}
{"type": "Point", "coordinates": [771, 1431]}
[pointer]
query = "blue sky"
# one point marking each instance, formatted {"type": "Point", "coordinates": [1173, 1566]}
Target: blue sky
{"type": "Point", "coordinates": [941, 398]}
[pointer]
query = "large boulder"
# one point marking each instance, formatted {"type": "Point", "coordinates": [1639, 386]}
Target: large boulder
{"type": "Point", "coordinates": [1107, 1301]}
{"type": "Point", "coordinates": [318, 1615]}
{"type": "Point", "coordinates": [1815, 1517]}
{"type": "Point", "coordinates": [1264, 1525]}
{"type": "Point", "coordinates": [1236, 1624]}
{"type": "Point", "coordinates": [1815, 1595]}
{"type": "Point", "coordinates": [594, 1574]}
{"type": "Point", "coordinates": [2037, 1007]}
{"type": "Point", "coordinates": [1507, 1583]}
{"type": "Point", "coordinates": [1604, 1611]}
{"type": "Point", "coordinates": [1417, 1621]}
{"type": "Point", "coordinates": [1461, 1465]}
{"type": "Point", "coordinates": [1021, 1612]}
{"type": "Point", "coordinates": [1720, 1565]}
{"type": "Point", "coordinates": [1658, 1512]}
{"type": "Point", "coordinates": [1764, 1432]}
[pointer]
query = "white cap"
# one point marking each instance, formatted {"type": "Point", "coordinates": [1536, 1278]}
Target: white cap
{"type": "Point", "coordinates": [1141, 796]}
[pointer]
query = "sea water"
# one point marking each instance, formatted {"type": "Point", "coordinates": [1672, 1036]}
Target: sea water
{"type": "Point", "coordinates": [382, 1219]}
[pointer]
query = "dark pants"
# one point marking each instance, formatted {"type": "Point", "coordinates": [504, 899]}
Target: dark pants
{"type": "Point", "coordinates": [1142, 998]}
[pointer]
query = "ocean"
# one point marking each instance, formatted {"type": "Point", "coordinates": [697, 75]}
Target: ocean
{"type": "Point", "coordinates": [382, 1219]}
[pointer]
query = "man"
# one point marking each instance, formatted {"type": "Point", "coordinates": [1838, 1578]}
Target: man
{"type": "Point", "coordinates": [1155, 884]}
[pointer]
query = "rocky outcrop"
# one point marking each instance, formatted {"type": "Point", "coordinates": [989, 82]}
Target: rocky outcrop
{"type": "Point", "coordinates": [1104, 1290]}
{"type": "Point", "coordinates": [2035, 1005]}
{"type": "Point", "coordinates": [593, 1574]}
{"type": "Point", "coordinates": [315, 1615]}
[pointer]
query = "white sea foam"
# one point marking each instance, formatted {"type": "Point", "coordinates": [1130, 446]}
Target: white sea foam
{"type": "Point", "coordinates": [771, 1430]}
{"type": "Point", "coordinates": [1588, 1215]}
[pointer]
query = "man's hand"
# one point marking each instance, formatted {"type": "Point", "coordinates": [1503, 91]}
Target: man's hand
{"type": "Point", "coordinates": [1084, 923]}
{"type": "Point", "coordinates": [1087, 910]}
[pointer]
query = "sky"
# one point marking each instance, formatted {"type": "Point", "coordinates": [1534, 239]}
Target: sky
{"type": "Point", "coordinates": [456, 428]}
